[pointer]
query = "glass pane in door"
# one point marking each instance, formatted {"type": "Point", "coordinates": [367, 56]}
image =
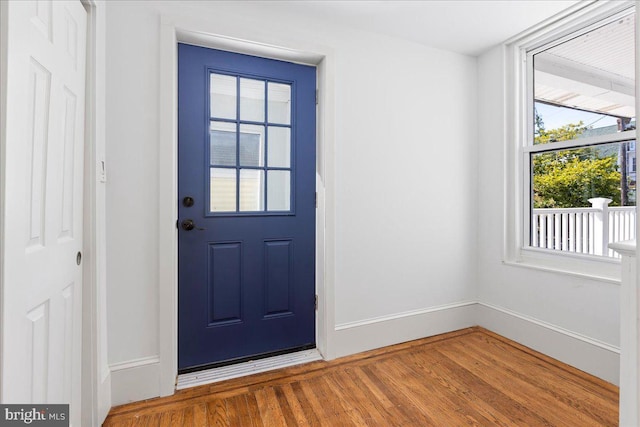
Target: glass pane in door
{"type": "Point", "coordinates": [279, 96]}
{"type": "Point", "coordinates": [251, 145]}
{"type": "Point", "coordinates": [279, 190]}
{"type": "Point", "coordinates": [279, 152]}
{"type": "Point", "coordinates": [222, 140]}
{"type": "Point", "coordinates": [223, 96]}
{"type": "Point", "coordinates": [223, 189]}
{"type": "Point", "coordinates": [251, 100]}
{"type": "Point", "coordinates": [251, 190]}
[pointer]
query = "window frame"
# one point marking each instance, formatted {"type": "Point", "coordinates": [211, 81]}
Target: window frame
{"type": "Point", "coordinates": [238, 167]}
{"type": "Point", "coordinates": [519, 129]}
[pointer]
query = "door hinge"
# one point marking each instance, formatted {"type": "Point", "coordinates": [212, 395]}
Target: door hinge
{"type": "Point", "coordinates": [316, 96]}
{"type": "Point", "coordinates": [316, 202]}
{"type": "Point", "coordinates": [316, 302]}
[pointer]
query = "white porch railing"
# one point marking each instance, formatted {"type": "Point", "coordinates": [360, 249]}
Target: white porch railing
{"type": "Point", "coordinates": [583, 230]}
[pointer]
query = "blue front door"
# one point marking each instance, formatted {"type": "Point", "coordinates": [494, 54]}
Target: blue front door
{"type": "Point", "coordinates": [246, 205]}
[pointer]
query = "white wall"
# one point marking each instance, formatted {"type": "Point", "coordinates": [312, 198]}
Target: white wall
{"type": "Point", "coordinates": [132, 193]}
{"type": "Point", "coordinates": [404, 169]}
{"type": "Point", "coordinates": [574, 319]}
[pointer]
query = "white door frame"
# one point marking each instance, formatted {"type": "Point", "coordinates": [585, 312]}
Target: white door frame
{"type": "Point", "coordinates": [96, 376]}
{"type": "Point", "coordinates": [202, 33]}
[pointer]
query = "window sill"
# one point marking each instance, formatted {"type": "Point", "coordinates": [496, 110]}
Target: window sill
{"type": "Point", "coordinates": [591, 267]}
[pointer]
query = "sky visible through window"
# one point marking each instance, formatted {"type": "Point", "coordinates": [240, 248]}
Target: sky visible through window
{"type": "Point", "coordinates": [555, 117]}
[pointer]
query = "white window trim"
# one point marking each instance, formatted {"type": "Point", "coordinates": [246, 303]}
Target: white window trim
{"type": "Point", "coordinates": [519, 136]}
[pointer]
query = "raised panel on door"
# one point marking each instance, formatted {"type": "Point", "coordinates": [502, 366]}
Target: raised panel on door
{"type": "Point", "coordinates": [43, 203]}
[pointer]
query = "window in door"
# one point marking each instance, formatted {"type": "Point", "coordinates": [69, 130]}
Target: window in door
{"type": "Point", "coordinates": [250, 145]}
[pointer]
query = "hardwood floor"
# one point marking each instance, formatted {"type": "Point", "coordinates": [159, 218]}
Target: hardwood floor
{"type": "Point", "coordinates": [468, 377]}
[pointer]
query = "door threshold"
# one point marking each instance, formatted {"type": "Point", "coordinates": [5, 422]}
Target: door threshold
{"type": "Point", "coordinates": [209, 376]}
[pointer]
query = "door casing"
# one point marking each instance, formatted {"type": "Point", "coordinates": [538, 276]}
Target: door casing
{"type": "Point", "coordinates": [197, 32]}
{"type": "Point", "coordinates": [96, 376]}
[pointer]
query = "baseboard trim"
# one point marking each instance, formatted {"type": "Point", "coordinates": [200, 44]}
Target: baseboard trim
{"type": "Point", "coordinates": [135, 363]}
{"type": "Point", "coordinates": [135, 380]}
{"type": "Point", "coordinates": [554, 328]}
{"type": "Point", "coordinates": [139, 379]}
{"type": "Point", "coordinates": [105, 390]}
{"type": "Point", "coordinates": [584, 353]}
{"type": "Point", "coordinates": [356, 337]}
{"type": "Point", "coordinates": [401, 315]}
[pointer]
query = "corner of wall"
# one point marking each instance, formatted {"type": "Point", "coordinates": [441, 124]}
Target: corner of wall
{"type": "Point", "coordinates": [509, 320]}
{"type": "Point", "coordinates": [594, 357]}
{"type": "Point", "coordinates": [356, 337]}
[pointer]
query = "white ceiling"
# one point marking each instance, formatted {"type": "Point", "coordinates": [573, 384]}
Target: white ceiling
{"type": "Point", "coordinates": [469, 27]}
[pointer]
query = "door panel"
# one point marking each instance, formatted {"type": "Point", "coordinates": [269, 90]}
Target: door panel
{"type": "Point", "coordinates": [43, 203]}
{"type": "Point", "coordinates": [246, 158]}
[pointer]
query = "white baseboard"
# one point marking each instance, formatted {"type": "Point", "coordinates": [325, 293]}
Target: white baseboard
{"type": "Point", "coordinates": [587, 354]}
{"type": "Point", "coordinates": [355, 337]}
{"type": "Point", "coordinates": [140, 379]}
{"type": "Point", "coordinates": [104, 405]}
{"type": "Point", "coordinates": [135, 380]}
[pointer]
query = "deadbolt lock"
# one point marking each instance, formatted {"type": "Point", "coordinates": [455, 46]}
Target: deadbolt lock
{"type": "Point", "coordinates": [188, 201]}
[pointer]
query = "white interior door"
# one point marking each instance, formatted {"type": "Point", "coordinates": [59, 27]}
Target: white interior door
{"type": "Point", "coordinates": [42, 278]}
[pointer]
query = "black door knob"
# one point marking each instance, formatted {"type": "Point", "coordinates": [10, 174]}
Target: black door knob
{"type": "Point", "coordinates": [189, 225]}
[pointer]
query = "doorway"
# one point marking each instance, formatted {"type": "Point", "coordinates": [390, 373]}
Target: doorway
{"type": "Point", "coordinates": [246, 207]}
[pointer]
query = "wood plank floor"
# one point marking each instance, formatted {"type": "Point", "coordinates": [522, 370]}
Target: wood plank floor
{"type": "Point", "coordinates": [468, 377]}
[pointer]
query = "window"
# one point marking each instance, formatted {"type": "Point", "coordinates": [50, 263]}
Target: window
{"type": "Point", "coordinates": [250, 145]}
{"type": "Point", "coordinates": [578, 153]}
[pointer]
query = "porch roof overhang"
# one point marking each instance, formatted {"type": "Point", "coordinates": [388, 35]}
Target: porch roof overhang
{"type": "Point", "coordinates": [593, 72]}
